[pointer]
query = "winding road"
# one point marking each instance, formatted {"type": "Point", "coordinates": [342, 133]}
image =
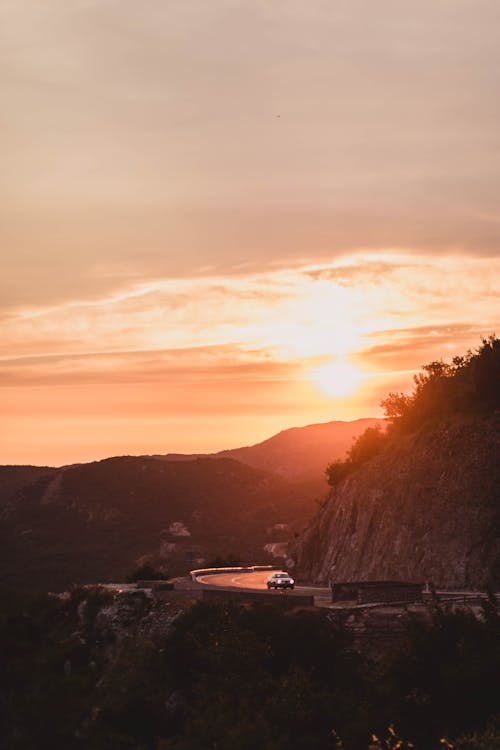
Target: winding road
{"type": "Point", "coordinates": [256, 581]}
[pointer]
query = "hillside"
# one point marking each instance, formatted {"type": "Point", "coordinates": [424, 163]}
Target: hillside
{"type": "Point", "coordinates": [428, 510]}
{"type": "Point", "coordinates": [299, 452]}
{"type": "Point", "coordinates": [302, 452]}
{"type": "Point", "coordinates": [14, 478]}
{"type": "Point", "coordinates": [427, 507]}
{"type": "Point", "coordinates": [95, 522]}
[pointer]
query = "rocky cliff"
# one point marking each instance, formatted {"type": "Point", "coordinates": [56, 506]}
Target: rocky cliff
{"type": "Point", "coordinates": [426, 509]}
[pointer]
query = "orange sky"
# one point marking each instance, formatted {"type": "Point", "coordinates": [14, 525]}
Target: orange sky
{"type": "Point", "coordinates": [223, 219]}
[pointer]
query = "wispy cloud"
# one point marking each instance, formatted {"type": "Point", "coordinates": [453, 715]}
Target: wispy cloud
{"type": "Point", "coordinates": [402, 301]}
{"type": "Point", "coordinates": [408, 350]}
{"type": "Point", "coordinates": [190, 366]}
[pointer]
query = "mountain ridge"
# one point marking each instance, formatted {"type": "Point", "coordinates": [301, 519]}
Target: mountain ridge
{"type": "Point", "coordinates": [95, 521]}
{"type": "Point", "coordinates": [296, 452]}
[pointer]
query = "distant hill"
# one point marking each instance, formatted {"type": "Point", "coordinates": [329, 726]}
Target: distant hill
{"type": "Point", "coordinates": [95, 522]}
{"type": "Point", "coordinates": [14, 478]}
{"type": "Point", "coordinates": [302, 452]}
{"type": "Point", "coordinates": [297, 453]}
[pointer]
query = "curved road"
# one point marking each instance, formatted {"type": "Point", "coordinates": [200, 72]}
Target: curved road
{"type": "Point", "coordinates": [256, 581]}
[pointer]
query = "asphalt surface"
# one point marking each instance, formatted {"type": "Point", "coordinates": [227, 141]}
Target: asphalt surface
{"type": "Point", "coordinates": [257, 581]}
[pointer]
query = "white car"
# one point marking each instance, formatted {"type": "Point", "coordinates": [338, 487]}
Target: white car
{"type": "Point", "coordinates": [280, 581]}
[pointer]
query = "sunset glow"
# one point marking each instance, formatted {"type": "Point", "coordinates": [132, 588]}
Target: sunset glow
{"type": "Point", "coordinates": [223, 220]}
{"type": "Point", "coordinates": [338, 379]}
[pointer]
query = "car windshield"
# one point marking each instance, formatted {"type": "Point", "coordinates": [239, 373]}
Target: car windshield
{"type": "Point", "coordinates": [281, 575]}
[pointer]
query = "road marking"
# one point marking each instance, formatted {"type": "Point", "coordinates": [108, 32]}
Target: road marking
{"type": "Point", "coordinates": [246, 584]}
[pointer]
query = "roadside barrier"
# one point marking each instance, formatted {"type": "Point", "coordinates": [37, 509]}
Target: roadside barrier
{"type": "Point", "coordinates": [383, 592]}
{"type": "Point", "coordinates": [213, 571]}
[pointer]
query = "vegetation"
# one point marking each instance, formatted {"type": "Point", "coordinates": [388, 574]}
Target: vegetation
{"type": "Point", "coordinates": [470, 384]}
{"type": "Point", "coordinates": [221, 561]}
{"type": "Point", "coordinates": [230, 677]}
{"type": "Point", "coordinates": [146, 572]}
{"type": "Point", "coordinates": [368, 445]}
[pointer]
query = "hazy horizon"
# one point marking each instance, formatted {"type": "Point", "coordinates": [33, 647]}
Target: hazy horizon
{"type": "Point", "coordinates": [94, 457]}
{"type": "Point", "coordinates": [223, 220]}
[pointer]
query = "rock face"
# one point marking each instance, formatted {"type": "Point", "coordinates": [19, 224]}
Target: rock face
{"type": "Point", "coordinates": [428, 509]}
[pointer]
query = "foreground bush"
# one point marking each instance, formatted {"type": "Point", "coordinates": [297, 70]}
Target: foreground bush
{"type": "Point", "coordinates": [229, 676]}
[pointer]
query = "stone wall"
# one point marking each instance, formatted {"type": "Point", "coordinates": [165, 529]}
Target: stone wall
{"type": "Point", "coordinates": [383, 592]}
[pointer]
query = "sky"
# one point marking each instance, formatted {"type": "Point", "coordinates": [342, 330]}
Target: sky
{"type": "Point", "coordinates": [222, 219]}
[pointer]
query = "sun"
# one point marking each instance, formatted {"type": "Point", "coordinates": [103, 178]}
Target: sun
{"type": "Point", "coordinates": [338, 379]}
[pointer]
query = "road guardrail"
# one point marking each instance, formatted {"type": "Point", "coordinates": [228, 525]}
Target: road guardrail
{"type": "Point", "coordinates": [246, 569]}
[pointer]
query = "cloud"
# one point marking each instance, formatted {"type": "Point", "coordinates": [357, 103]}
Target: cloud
{"type": "Point", "coordinates": [190, 367]}
{"type": "Point", "coordinates": [143, 143]}
{"type": "Point", "coordinates": [403, 302]}
{"type": "Point", "coordinates": [407, 350]}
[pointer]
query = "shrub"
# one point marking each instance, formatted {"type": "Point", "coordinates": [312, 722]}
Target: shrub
{"type": "Point", "coordinates": [228, 561]}
{"type": "Point", "coordinates": [469, 384]}
{"type": "Point", "coordinates": [146, 572]}
{"type": "Point", "coordinates": [365, 447]}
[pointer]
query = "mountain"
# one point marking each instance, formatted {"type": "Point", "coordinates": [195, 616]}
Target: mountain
{"type": "Point", "coordinates": [426, 509]}
{"type": "Point", "coordinates": [302, 452]}
{"type": "Point", "coordinates": [95, 522]}
{"type": "Point", "coordinates": [14, 478]}
{"type": "Point", "coordinates": [299, 452]}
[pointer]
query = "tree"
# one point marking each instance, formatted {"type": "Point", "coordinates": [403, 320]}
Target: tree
{"type": "Point", "coordinates": [365, 447]}
{"type": "Point", "coordinates": [469, 384]}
